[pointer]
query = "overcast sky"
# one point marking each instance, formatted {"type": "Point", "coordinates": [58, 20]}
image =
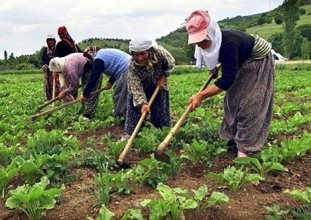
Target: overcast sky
{"type": "Point", "coordinates": [24, 24]}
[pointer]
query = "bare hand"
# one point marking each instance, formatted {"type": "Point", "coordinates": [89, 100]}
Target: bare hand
{"type": "Point", "coordinates": [145, 108]}
{"type": "Point", "coordinates": [108, 86]}
{"type": "Point", "coordinates": [62, 95]}
{"type": "Point", "coordinates": [55, 75]}
{"type": "Point", "coordinates": [83, 98]}
{"type": "Point", "coordinates": [45, 67]}
{"type": "Point", "coordinates": [161, 82]}
{"type": "Point", "coordinates": [195, 101]}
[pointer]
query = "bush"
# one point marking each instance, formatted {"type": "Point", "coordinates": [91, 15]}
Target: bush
{"type": "Point", "coordinates": [278, 19]}
{"type": "Point", "coordinates": [25, 66]}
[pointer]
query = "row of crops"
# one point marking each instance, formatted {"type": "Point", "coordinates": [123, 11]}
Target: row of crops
{"type": "Point", "coordinates": [36, 157]}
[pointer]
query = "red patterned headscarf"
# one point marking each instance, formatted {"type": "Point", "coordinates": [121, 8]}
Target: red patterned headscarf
{"type": "Point", "coordinates": [62, 31]}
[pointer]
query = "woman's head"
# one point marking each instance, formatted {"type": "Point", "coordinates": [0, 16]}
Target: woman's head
{"type": "Point", "coordinates": [205, 32]}
{"type": "Point", "coordinates": [50, 40]}
{"type": "Point", "coordinates": [62, 32]}
{"type": "Point", "coordinates": [196, 25]}
{"type": "Point", "coordinates": [90, 52]}
{"type": "Point", "coordinates": [140, 49]}
{"type": "Point", "coordinates": [57, 64]}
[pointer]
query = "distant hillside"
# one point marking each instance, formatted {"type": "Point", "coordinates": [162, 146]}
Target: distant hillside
{"type": "Point", "coordinates": [266, 30]}
{"type": "Point", "coordinates": [262, 24]}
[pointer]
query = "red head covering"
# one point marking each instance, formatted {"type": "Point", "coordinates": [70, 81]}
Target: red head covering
{"type": "Point", "coordinates": [62, 29]}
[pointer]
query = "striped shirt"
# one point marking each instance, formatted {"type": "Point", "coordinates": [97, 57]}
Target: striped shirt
{"type": "Point", "coordinates": [261, 48]}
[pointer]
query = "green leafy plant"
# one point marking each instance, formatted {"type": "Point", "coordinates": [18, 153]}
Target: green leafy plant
{"type": "Point", "coordinates": [303, 195]}
{"type": "Point", "coordinates": [151, 171]}
{"type": "Point", "coordinates": [260, 167]}
{"type": "Point", "coordinates": [104, 179]}
{"type": "Point", "coordinates": [104, 214]}
{"type": "Point", "coordinates": [132, 214]}
{"type": "Point", "coordinates": [216, 198]}
{"type": "Point", "coordinates": [34, 200]}
{"type": "Point", "coordinates": [234, 178]}
{"type": "Point", "coordinates": [200, 151]}
{"type": "Point", "coordinates": [121, 182]}
{"type": "Point", "coordinates": [276, 212]}
{"type": "Point", "coordinates": [174, 201]}
{"type": "Point", "coordinates": [7, 173]}
{"type": "Point", "coordinates": [304, 211]}
{"type": "Point", "coordinates": [54, 142]}
{"type": "Point", "coordinates": [6, 154]}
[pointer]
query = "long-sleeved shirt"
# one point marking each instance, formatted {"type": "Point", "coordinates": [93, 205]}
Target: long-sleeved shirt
{"type": "Point", "coordinates": [64, 49]}
{"type": "Point", "coordinates": [236, 47]}
{"type": "Point", "coordinates": [140, 77]}
{"type": "Point", "coordinates": [112, 62]}
{"type": "Point", "coordinates": [73, 70]}
{"type": "Point", "coordinates": [45, 59]}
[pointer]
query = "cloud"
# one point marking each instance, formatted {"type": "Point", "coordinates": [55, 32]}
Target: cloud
{"type": "Point", "coordinates": [25, 24]}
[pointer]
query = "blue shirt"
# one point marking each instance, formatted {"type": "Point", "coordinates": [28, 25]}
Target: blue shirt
{"type": "Point", "coordinates": [112, 62]}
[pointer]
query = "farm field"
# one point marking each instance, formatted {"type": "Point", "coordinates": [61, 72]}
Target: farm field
{"type": "Point", "coordinates": [77, 158]}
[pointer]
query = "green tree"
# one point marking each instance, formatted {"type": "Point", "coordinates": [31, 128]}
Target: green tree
{"type": "Point", "coordinates": [305, 31]}
{"type": "Point", "coordinates": [5, 55]}
{"type": "Point", "coordinates": [277, 42]}
{"type": "Point", "coordinates": [11, 57]}
{"type": "Point", "coordinates": [278, 19]}
{"type": "Point", "coordinates": [290, 16]}
{"type": "Point", "coordinates": [305, 49]}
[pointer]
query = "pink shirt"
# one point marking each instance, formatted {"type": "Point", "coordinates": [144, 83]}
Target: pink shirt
{"type": "Point", "coordinates": [73, 70]}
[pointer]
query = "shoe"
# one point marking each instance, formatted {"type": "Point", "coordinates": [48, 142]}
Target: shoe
{"type": "Point", "coordinates": [83, 118]}
{"type": "Point", "coordinates": [242, 154]}
{"type": "Point", "coordinates": [232, 147]}
{"type": "Point", "coordinates": [89, 116]}
{"type": "Point", "coordinates": [231, 143]}
{"type": "Point", "coordinates": [125, 137]}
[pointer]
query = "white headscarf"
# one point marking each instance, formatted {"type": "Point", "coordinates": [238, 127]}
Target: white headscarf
{"type": "Point", "coordinates": [211, 54]}
{"type": "Point", "coordinates": [141, 44]}
{"type": "Point", "coordinates": [57, 64]}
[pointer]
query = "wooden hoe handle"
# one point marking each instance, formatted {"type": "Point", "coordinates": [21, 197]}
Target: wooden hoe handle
{"type": "Point", "coordinates": [140, 122]}
{"type": "Point", "coordinates": [164, 144]}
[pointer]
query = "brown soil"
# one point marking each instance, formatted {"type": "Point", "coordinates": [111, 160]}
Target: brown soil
{"type": "Point", "coordinates": [78, 200]}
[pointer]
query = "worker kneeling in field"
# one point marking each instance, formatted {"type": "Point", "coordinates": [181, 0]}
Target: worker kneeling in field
{"type": "Point", "coordinates": [247, 77]}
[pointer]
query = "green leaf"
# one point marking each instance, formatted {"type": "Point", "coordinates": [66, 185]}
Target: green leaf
{"type": "Point", "coordinates": [216, 198]}
{"type": "Point", "coordinates": [105, 213]}
{"type": "Point", "coordinates": [189, 204]}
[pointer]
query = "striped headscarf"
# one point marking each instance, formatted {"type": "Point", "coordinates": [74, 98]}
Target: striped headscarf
{"type": "Point", "coordinates": [90, 52]}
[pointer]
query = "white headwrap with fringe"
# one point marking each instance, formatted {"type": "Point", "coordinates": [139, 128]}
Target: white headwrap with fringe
{"type": "Point", "coordinates": [141, 44]}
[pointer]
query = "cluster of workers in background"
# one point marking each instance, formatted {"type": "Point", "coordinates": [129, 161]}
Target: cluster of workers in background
{"type": "Point", "coordinates": [247, 77]}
